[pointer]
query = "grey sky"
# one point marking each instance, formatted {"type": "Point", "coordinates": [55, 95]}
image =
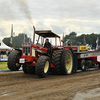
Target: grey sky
{"type": "Point", "coordinates": [81, 16]}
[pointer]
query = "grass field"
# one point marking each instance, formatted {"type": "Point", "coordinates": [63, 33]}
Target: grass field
{"type": "Point", "coordinates": [3, 65]}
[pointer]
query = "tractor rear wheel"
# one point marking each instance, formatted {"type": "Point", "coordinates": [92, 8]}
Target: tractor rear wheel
{"type": "Point", "coordinates": [42, 66]}
{"type": "Point", "coordinates": [13, 60]}
{"type": "Point", "coordinates": [67, 62]}
{"type": "Point", "coordinates": [56, 60]}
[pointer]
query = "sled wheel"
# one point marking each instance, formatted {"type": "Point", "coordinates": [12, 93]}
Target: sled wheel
{"type": "Point", "coordinates": [83, 65]}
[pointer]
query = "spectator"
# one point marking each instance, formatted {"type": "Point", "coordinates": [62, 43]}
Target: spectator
{"type": "Point", "coordinates": [9, 52]}
{"type": "Point", "coordinates": [4, 52]}
{"type": "Point", "coordinates": [1, 52]}
{"type": "Point", "coordinates": [70, 48]}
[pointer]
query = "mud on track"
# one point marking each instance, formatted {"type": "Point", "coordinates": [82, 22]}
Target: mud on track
{"type": "Point", "coordinates": [19, 86]}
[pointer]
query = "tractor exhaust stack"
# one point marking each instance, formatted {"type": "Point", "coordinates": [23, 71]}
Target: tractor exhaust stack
{"type": "Point", "coordinates": [34, 34]}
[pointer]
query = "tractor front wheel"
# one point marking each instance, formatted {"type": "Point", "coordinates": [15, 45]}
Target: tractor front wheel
{"type": "Point", "coordinates": [25, 69]}
{"type": "Point", "coordinates": [31, 69]}
{"type": "Point", "coordinates": [28, 69]}
{"type": "Point", "coordinates": [42, 66]}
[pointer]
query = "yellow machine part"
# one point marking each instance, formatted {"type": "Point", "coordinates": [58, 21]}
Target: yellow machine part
{"type": "Point", "coordinates": [83, 48]}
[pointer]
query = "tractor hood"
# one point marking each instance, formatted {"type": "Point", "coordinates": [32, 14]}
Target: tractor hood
{"type": "Point", "coordinates": [39, 49]}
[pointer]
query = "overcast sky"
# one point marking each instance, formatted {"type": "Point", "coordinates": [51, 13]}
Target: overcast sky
{"type": "Point", "coordinates": [80, 16]}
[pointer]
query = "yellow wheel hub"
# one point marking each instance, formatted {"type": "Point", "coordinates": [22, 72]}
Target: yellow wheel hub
{"type": "Point", "coordinates": [69, 63]}
{"type": "Point", "coordinates": [17, 64]}
{"type": "Point", "coordinates": [46, 67]}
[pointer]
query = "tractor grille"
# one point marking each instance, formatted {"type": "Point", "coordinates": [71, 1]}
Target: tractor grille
{"type": "Point", "coordinates": [26, 51]}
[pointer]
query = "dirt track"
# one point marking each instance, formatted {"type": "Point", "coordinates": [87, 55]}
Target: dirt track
{"type": "Point", "coordinates": [19, 86]}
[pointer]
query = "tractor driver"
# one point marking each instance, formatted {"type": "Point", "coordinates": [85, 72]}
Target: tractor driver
{"type": "Point", "coordinates": [70, 48]}
{"type": "Point", "coordinates": [47, 45]}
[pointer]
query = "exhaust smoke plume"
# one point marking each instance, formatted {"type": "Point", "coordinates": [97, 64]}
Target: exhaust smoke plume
{"type": "Point", "coordinates": [25, 9]}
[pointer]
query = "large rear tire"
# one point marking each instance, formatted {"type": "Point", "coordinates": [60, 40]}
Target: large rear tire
{"type": "Point", "coordinates": [67, 62]}
{"type": "Point", "coordinates": [13, 59]}
{"type": "Point", "coordinates": [42, 66]}
{"type": "Point", "coordinates": [56, 60]}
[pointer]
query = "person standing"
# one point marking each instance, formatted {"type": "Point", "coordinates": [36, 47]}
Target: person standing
{"type": "Point", "coordinates": [70, 48]}
{"type": "Point", "coordinates": [7, 52]}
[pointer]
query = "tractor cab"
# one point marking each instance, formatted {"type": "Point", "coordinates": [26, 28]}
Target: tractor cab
{"type": "Point", "coordinates": [44, 34]}
{"type": "Point", "coordinates": [36, 49]}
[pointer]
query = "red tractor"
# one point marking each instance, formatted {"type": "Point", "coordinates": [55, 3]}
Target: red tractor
{"type": "Point", "coordinates": [35, 59]}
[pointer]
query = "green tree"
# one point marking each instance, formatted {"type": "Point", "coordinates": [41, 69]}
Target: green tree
{"type": "Point", "coordinates": [18, 40]}
{"type": "Point", "coordinates": [73, 39]}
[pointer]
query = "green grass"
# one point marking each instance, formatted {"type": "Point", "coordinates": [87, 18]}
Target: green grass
{"type": "Point", "coordinates": [3, 68]}
{"type": "Point", "coordinates": [3, 65]}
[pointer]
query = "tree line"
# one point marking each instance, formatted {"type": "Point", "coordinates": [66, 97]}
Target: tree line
{"type": "Point", "coordinates": [73, 39]}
